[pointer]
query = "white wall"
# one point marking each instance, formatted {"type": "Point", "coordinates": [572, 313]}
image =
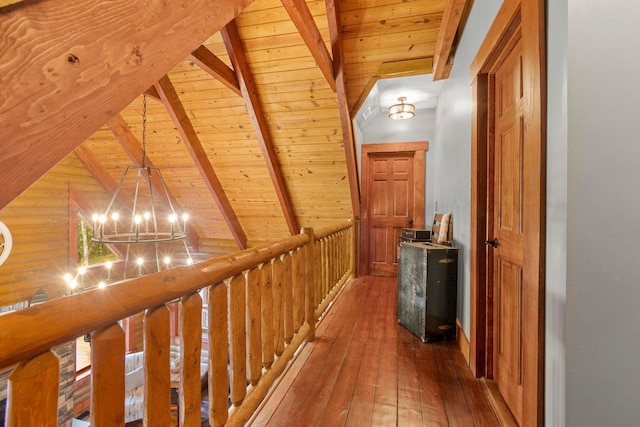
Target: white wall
{"type": "Point", "coordinates": [450, 159]}
{"type": "Point", "coordinates": [450, 152]}
{"type": "Point", "coordinates": [603, 235]}
{"type": "Point", "coordinates": [556, 245]}
{"type": "Point", "coordinates": [380, 128]}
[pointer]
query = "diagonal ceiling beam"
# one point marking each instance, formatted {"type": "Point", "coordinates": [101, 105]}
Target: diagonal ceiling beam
{"type": "Point", "coordinates": [333, 14]}
{"type": "Point", "coordinates": [303, 20]}
{"type": "Point", "coordinates": [213, 65]}
{"type": "Point", "coordinates": [132, 147]}
{"type": "Point", "coordinates": [62, 78]}
{"type": "Point", "coordinates": [236, 51]}
{"type": "Point", "coordinates": [443, 55]}
{"type": "Point", "coordinates": [185, 128]}
{"type": "Point", "coordinates": [4, 3]}
{"type": "Point", "coordinates": [153, 93]}
{"type": "Point", "coordinates": [100, 173]}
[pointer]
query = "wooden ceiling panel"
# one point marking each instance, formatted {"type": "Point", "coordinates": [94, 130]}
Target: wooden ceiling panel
{"type": "Point", "coordinates": [353, 25]}
{"type": "Point", "coordinates": [377, 31]}
{"type": "Point", "coordinates": [429, 6]}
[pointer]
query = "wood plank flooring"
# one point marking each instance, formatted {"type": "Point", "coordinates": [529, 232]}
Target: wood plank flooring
{"type": "Point", "coordinates": [364, 369]}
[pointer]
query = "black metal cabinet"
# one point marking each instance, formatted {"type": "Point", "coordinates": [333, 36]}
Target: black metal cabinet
{"type": "Point", "coordinates": [427, 290]}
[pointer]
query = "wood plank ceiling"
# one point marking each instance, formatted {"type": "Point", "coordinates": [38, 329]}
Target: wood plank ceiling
{"type": "Point", "coordinates": [252, 129]}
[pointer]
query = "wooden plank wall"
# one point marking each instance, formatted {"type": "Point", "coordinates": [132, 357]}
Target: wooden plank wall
{"type": "Point", "coordinates": [39, 223]}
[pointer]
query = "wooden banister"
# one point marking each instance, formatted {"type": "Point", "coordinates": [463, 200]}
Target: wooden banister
{"type": "Point", "coordinates": [34, 330]}
{"type": "Point", "coordinates": [263, 304]}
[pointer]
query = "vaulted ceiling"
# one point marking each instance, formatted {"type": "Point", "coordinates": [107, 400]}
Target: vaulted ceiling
{"type": "Point", "coordinates": [248, 103]}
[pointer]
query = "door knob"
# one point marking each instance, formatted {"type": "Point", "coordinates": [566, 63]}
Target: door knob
{"type": "Point", "coordinates": [410, 222]}
{"type": "Point", "coordinates": [493, 242]}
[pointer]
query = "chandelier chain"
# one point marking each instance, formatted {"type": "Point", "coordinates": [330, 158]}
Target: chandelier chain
{"type": "Point", "coordinates": [144, 128]}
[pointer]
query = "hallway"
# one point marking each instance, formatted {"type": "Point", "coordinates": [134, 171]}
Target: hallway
{"type": "Point", "coordinates": [364, 369]}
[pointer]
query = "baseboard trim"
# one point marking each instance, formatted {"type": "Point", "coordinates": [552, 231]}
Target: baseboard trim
{"type": "Point", "coordinates": [497, 403]}
{"type": "Point", "coordinates": [463, 341]}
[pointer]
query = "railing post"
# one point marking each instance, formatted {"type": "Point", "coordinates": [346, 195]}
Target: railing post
{"type": "Point", "coordinates": [107, 371]}
{"type": "Point", "coordinates": [310, 309]}
{"type": "Point", "coordinates": [190, 327]}
{"type": "Point", "coordinates": [157, 377]}
{"type": "Point", "coordinates": [33, 392]}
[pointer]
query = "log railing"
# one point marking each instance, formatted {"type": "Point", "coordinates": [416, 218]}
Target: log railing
{"type": "Point", "coordinates": [263, 305]}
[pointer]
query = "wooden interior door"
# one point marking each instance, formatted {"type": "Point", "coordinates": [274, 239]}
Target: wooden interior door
{"type": "Point", "coordinates": [393, 199]}
{"type": "Point", "coordinates": [507, 229]}
{"type": "Point", "coordinates": [508, 193]}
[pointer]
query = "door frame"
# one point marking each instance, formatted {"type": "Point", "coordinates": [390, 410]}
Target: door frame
{"type": "Point", "coordinates": [418, 149]}
{"type": "Point", "coordinates": [528, 17]}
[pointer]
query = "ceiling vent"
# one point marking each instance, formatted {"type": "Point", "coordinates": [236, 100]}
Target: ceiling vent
{"type": "Point", "coordinates": [366, 113]}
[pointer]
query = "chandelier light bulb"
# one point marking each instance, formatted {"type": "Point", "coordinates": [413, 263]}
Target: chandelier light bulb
{"type": "Point", "coordinates": [147, 215]}
{"type": "Point", "coordinates": [95, 217]}
{"type": "Point", "coordinates": [139, 261]}
{"type": "Point", "coordinates": [108, 265]}
{"type": "Point", "coordinates": [190, 261]}
{"type": "Point", "coordinates": [82, 270]}
{"type": "Point", "coordinates": [167, 260]}
{"type": "Point", "coordinates": [67, 277]}
{"type": "Point", "coordinates": [73, 284]}
{"type": "Point", "coordinates": [102, 285]}
{"type": "Point", "coordinates": [102, 218]}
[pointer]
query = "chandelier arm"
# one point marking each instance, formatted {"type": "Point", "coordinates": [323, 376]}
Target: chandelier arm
{"type": "Point", "coordinates": [118, 188]}
{"type": "Point", "coordinates": [166, 192]}
{"type": "Point", "coordinates": [126, 263]}
{"type": "Point", "coordinates": [153, 205]}
{"type": "Point", "coordinates": [157, 257]}
{"type": "Point", "coordinates": [186, 249]}
{"type": "Point", "coordinates": [135, 206]}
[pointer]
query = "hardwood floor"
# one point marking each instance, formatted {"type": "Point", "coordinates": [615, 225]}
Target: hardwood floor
{"type": "Point", "coordinates": [364, 369]}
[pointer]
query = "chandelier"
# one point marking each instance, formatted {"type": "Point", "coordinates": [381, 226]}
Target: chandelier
{"type": "Point", "coordinates": [141, 228]}
{"type": "Point", "coordinates": [402, 111]}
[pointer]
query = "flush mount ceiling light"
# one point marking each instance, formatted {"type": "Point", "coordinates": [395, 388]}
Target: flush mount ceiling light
{"type": "Point", "coordinates": [402, 111]}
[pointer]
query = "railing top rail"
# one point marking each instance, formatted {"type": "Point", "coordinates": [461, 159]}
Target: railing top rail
{"type": "Point", "coordinates": [37, 329]}
{"type": "Point", "coordinates": [332, 229]}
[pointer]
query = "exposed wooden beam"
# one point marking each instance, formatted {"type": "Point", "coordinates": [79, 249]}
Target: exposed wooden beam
{"type": "Point", "coordinates": [64, 78]}
{"type": "Point", "coordinates": [185, 128]}
{"type": "Point", "coordinates": [133, 148]}
{"type": "Point", "coordinates": [303, 20]}
{"type": "Point", "coordinates": [443, 56]}
{"type": "Point", "coordinates": [388, 70]}
{"type": "Point", "coordinates": [153, 93]}
{"type": "Point", "coordinates": [213, 65]}
{"type": "Point", "coordinates": [100, 173]}
{"type": "Point", "coordinates": [333, 15]}
{"type": "Point", "coordinates": [4, 3]}
{"type": "Point", "coordinates": [236, 51]}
